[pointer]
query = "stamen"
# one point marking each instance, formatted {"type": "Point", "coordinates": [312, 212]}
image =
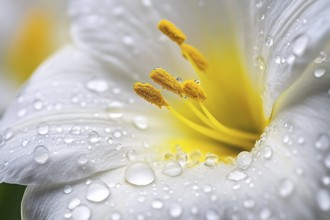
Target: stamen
{"type": "Point", "coordinates": [192, 90]}
{"type": "Point", "coordinates": [166, 80]}
{"type": "Point", "coordinates": [170, 30]}
{"type": "Point", "coordinates": [150, 94]}
{"type": "Point", "coordinates": [191, 53]}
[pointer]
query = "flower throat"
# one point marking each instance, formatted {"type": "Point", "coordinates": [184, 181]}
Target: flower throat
{"type": "Point", "coordinates": [226, 141]}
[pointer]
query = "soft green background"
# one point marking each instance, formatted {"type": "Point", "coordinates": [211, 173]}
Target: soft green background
{"type": "Point", "coordinates": [10, 201]}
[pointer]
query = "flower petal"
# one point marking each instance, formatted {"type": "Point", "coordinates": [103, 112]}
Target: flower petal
{"type": "Point", "coordinates": [70, 122]}
{"type": "Point", "coordinates": [284, 38]}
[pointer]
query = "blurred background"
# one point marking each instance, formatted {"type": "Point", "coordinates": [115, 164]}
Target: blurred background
{"type": "Point", "coordinates": [30, 31]}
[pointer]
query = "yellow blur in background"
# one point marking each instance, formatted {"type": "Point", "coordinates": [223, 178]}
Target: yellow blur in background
{"type": "Point", "coordinates": [28, 38]}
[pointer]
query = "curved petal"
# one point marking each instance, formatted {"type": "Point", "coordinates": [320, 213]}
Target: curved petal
{"type": "Point", "coordinates": [70, 122]}
{"type": "Point", "coordinates": [284, 38]}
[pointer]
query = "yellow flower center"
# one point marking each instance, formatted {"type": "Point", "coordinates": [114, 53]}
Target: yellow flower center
{"type": "Point", "coordinates": [218, 115]}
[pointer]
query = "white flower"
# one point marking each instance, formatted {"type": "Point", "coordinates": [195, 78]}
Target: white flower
{"type": "Point", "coordinates": [88, 148]}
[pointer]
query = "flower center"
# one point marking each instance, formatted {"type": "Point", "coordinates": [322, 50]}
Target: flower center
{"type": "Point", "coordinates": [216, 128]}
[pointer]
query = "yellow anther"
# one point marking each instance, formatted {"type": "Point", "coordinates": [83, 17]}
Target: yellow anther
{"type": "Point", "coordinates": [191, 53]}
{"type": "Point", "coordinates": [170, 30]}
{"type": "Point", "coordinates": [192, 90]}
{"type": "Point", "coordinates": [150, 94]}
{"type": "Point", "coordinates": [166, 80]}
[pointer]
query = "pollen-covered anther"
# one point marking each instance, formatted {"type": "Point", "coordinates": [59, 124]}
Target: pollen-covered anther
{"type": "Point", "coordinates": [191, 53]}
{"type": "Point", "coordinates": [150, 94]}
{"type": "Point", "coordinates": [170, 30]}
{"type": "Point", "coordinates": [166, 80]}
{"type": "Point", "coordinates": [193, 90]}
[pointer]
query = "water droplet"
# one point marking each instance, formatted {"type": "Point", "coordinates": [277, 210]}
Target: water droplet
{"type": "Point", "coordinates": [286, 188]}
{"type": "Point", "coordinates": [67, 189]}
{"type": "Point", "coordinates": [75, 130]}
{"type": "Point", "coordinates": [261, 63]}
{"type": "Point", "coordinates": [291, 59]}
{"type": "Point", "coordinates": [8, 134]}
{"type": "Point", "coordinates": [81, 213]}
{"type": "Point", "coordinates": [300, 44]}
{"type": "Point", "coordinates": [269, 41]}
{"type": "Point", "coordinates": [68, 139]}
{"type": "Point", "coordinates": [172, 168]}
{"type": "Point", "coordinates": [97, 192]}
{"type": "Point", "coordinates": [115, 215]}
{"type": "Point", "coordinates": [41, 154]}
{"type": "Point", "coordinates": [212, 215]}
{"type": "Point", "coordinates": [141, 122]}
{"type": "Point", "coordinates": [140, 174]}
{"type": "Point", "coordinates": [157, 204]}
{"type": "Point", "coordinates": [175, 210]}
{"type": "Point", "coordinates": [93, 137]}
{"type": "Point", "coordinates": [182, 158]}
{"type": "Point", "coordinates": [278, 59]}
{"type": "Point", "coordinates": [38, 104]}
{"type": "Point", "coordinates": [146, 3]}
{"type": "Point", "coordinates": [319, 72]}
{"type": "Point", "coordinates": [321, 58]}
{"type": "Point", "coordinates": [21, 113]}
{"type": "Point", "coordinates": [243, 160]}
{"type": "Point", "coordinates": [128, 40]}
{"type": "Point", "coordinates": [115, 110]}
{"type": "Point", "coordinates": [323, 200]}
{"type": "Point", "coordinates": [267, 152]}
{"type": "Point", "coordinates": [237, 175]}
{"type": "Point", "coordinates": [249, 203]}
{"type": "Point", "coordinates": [82, 159]}
{"type": "Point", "coordinates": [265, 214]}
{"type": "Point", "coordinates": [322, 142]}
{"type": "Point", "coordinates": [326, 180]}
{"type": "Point", "coordinates": [211, 160]}
{"type": "Point", "coordinates": [43, 128]}
{"type": "Point", "coordinates": [131, 155]}
{"type": "Point", "coordinates": [74, 203]}
{"type": "Point", "coordinates": [259, 4]}
{"type": "Point", "coordinates": [97, 85]}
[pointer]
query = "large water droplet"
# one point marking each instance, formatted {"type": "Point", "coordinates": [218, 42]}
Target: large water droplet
{"type": "Point", "coordinates": [97, 85]}
{"type": "Point", "coordinates": [41, 154]}
{"type": "Point", "coordinates": [300, 44]}
{"type": "Point", "coordinates": [157, 204]}
{"type": "Point", "coordinates": [243, 160]}
{"type": "Point", "coordinates": [97, 192]}
{"type": "Point", "coordinates": [322, 142]}
{"type": "Point", "coordinates": [43, 128]}
{"type": "Point", "coordinates": [175, 210]}
{"type": "Point", "coordinates": [141, 122]}
{"type": "Point", "coordinates": [319, 72]}
{"type": "Point", "coordinates": [211, 160]}
{"type": "Point", "coordinates": [323, 200]}
{"type": "Point", "coordinates": [172, 168]}
{"type": "Point", "coordinates": [81, 213]}
{"type": "Point", "coordinates": [237, 175]}
{"type": "Point", "coordinates": [93, 137]}
{"type": "Point", "coordinates": [286, 188]}
{"type": "Point", "coordinates": [140, 174]}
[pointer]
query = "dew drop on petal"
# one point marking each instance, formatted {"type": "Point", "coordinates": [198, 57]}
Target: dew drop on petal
{"type": "Point", "coordinates": [327, 161]}
{"type": "Point", "coordinates": [43, 128]}
{"type": "Point", "coordinates": [115, 215]}
{"type": "Point", "coordinates": [81, 213]}
{"type": "Point", "coordinates": [249, 203]}
{"type": "Point", "coordinates": [38, 104]}
{"type": "Point", "coordinates": [175, 210]}
{"type": "Point", "coordinates": [243, 160]}
{"type": "Point", "coordinates": [265, 214]}
{"type": "Point", "coordinates": [322, 142]}
{"type": "Point", "coordinates": [97, 85]}
{"type": "Point", "coordinates": [82, 159]}
{"type": "Point", "coordinates": [97, 192]}
{"type": "Point", "coordinates": [67, 189]}
{"type": "Point", "coordinates": [41, 154]}
{"type": "Point", "coordinates": [319, 72]}
{"type": "Point", "coordinates": [157, 204]}
{"type": "Point", "coordinates": [323, 200]}
{"type": "Point", "coordinates": [93, 137]}
{"type": "Point", "coordinates": [74, 203]}
{"type": "Point", "coordinates": [212, 215]}
{"type": "Point", "coordinates": [286, 188]}
{"type": "Point", "coordinates": [261, 63]}
{"type": "Point", "coordinates": [21, 113]}
{"type": "Point", "coordinates": [267, 152]}
{"type": "Point", "coordinates": [269, 41]}
{"type": "Point", "coordinates": [115, 110]}
{"type": "Point", "coordinates": [211, 160]}
{"type": "Point", "coordinates": [8, 134]}
{"type": "Point", "coordinates": [139, 174]}
{"type": "Point", "coordinates": [141, 122]}
{"type": "Point", "coordinates": [300, 44]}
{"type": "Point", "coordinates": [237, 175]}
{"type": "Point", "coordinates": [321, 58]}
{"type": "Point", "coordinates": [131, 155]}
{"type": "Point", "coordinates": [172, 168]}
{"type": "Point", "coordinates": [182, 158]}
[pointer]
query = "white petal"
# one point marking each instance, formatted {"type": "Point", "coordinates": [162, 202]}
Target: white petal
{"type": "Point", "coordinates": [283, 40]}
{"type": "Point", "coordinates": [72, 120]}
